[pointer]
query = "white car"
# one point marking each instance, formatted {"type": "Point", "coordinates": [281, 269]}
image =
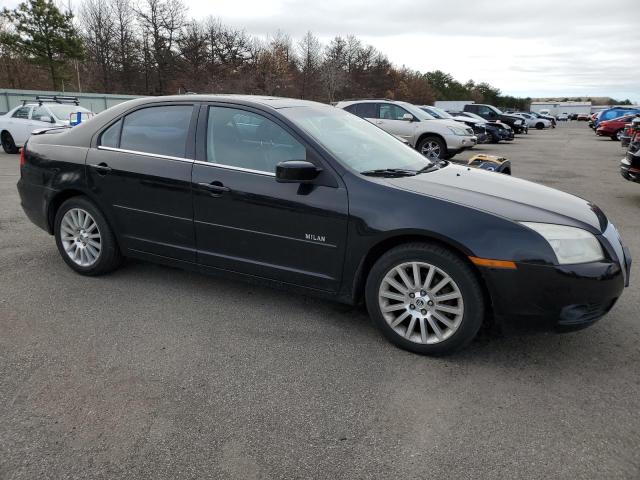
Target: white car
{"type": "Point", "coordinates": [436, 139]}
{"type": "Point", "coordinates": [534, 122]}
{"type": "Point", "coordinates": [16, 125]}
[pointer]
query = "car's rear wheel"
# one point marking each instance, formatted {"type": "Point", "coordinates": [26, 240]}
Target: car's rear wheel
{"type": "Point", "coordinates": [84, 238]}
{"type": "Point", "coordinates": [425, 299]}
{"type": "Point", "coordinates": [433, 148]}
{"type": "Point", "coordinates": [8, 145]}
{"type": "Point", "coordinates": [539, 125]}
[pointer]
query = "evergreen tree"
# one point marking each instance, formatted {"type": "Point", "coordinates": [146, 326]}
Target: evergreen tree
{"type": "Point", "coordinates": [44, 35]}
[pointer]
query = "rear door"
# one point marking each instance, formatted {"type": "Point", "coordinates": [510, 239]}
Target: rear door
{"type": "Point", "coordinates": [247, 222]}
{"type": "Point", "coordinates": [141, 174]}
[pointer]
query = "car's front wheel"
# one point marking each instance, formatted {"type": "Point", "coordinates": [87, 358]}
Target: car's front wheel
{"type": "Point", "coordinates": [617, 136]}
{"type": "Point", "coordinates": [425, 299]}
{"type": "Point", "coordinates": [433, 148]}
{"type": "Point", "coordinates": [84, 238]}
{"type": "Point", "coordinates": [8, 144]}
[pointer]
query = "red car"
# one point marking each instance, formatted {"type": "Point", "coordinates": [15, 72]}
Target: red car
{"type": "Point", "coordinates": [613, 128]}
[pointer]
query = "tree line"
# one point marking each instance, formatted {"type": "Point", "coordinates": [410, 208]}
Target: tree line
{"type": "Point", "coordinates": [151, 47]}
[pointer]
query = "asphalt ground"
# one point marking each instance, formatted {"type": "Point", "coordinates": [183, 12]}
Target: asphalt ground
{"type": "Point", "coordinates": [152, 372]}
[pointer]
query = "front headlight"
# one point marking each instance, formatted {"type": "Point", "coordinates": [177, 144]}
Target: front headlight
{"type": "Point", "coordinates": [458, 131]}
{"type": "Point", "coordinates": [570, 244]}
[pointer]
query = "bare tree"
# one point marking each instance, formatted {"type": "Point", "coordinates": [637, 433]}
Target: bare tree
{"type": "Point", "coordinates": [162, 21]}
{"type": "Point", "coordinates": [193, 47]}
{"type": "Point", "coordinates": [128, 46]}
{"type": "Point", "coordinates": [310, 61]}
{"type": "Point", "coordinates": [99, 33]}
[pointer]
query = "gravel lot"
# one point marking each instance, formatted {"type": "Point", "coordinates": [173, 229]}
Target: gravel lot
{"type": "Point", "coordinates": [153, 372]}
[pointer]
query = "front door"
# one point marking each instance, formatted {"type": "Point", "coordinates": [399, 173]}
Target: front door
{"type": "Point", "coordinates": [391, 121]}
{"type": "Point", "coordinates": [247, 222]}
{"type": "Point", "coordinates": [140, 172]}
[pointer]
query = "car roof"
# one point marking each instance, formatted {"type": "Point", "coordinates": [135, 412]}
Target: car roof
{"type": "Point", "coordinates": [261, 100]}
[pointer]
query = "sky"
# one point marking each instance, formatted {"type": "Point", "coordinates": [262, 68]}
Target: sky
{"type": "Point", "coordinates": [534, 48]}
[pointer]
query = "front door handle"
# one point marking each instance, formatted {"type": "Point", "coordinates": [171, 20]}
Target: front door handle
{"type": "Point", "coordinates": [102, 168]}
{"type": "Point", "coordinates": [216, 188]}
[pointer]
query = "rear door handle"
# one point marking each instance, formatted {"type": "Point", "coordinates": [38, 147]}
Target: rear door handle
{"type": "Point", "coordinates": [102, 168]}
{"type": "Point", "coordinates": [216, 188]}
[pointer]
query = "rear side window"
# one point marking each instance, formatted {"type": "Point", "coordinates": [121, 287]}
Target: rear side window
{"type": "Point", "coordinates": [160, 130]}
{"type": "Point", "coordinates": [22, 112]}
{"type": "Point", "coordinates": [111, 136]}
{"type": "Point", "coordinates": [367, 110]}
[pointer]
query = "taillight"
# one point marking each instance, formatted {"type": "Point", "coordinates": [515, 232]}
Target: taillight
{"type": "Point", "coordinates": [22, 156]}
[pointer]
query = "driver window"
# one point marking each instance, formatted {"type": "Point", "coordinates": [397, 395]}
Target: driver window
{"type": "Point", "coordinates": [391, 112]}
{"type": "Point", "coordinates": [245, 139]}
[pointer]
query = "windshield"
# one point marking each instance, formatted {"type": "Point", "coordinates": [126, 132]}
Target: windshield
{"type": "Point", "coordinates": [437, 112]}
{"type": "Point", "coordinates": [416, 111]}
{"type": "Point", "coordinates": [62, 112]}
{"type": "Point", "coordinates": [495, 109]}
{"type": "Point", "coordinates": [355, 142]}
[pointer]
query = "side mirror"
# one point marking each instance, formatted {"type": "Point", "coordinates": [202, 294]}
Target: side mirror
{"type": "Point", "coordinates": [296, 171]}
{"type": "Point", "coordinates": [46, 119]}
{"type": "Point", "coordinates": [407, 117]}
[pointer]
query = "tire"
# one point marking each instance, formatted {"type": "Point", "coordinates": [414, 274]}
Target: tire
{"type": "Point", "coordinates": [616, 136]}
{"type": "Point", "coordinates": [540, 126]}
{"type": "Point", "coordinates": [78, 248]}
{"type": "Point", "coordinates": [408, 327]}
{"type": "Point", "coordinates": [432, 147]}
{"type": "Point", "coordinates": [8, 145]}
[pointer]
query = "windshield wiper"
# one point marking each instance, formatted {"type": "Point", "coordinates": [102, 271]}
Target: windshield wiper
{"type": "Point", "coordinates": [390, 172]}
{"type": "Point", "coordinates": [437, 165]}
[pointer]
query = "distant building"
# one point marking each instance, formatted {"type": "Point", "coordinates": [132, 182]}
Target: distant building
{"type": "Point", "coordinates": [557, 108]}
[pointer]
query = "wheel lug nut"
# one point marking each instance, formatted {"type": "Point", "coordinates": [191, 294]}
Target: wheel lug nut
{"type": "Point", "coordinates": [422, 293]}
{"type": "Point", "coordinates": [412, 295]}
{"type": "Point", "coordinates": [430, 303]}
{"type": "Point", "coordinates": [424, 312]}
{"type": "Point", "coordinates": [412, 306]}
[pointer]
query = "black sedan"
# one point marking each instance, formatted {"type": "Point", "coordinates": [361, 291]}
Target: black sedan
{"type": "Point", "coordinates": [305, 196]}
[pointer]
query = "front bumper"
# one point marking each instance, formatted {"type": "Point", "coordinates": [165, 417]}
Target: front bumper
{"type": "Point", "coordinates": [455, 143]}
{"type": "Point", "coordinates": [559, 297]}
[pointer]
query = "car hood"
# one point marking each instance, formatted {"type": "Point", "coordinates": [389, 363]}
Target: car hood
{"type": "Point", "coordinates": [469, 120]}
{"type": "Point", "coordinates": [448, 122]}
{"type": "Point", "coordinates": [506, 196]}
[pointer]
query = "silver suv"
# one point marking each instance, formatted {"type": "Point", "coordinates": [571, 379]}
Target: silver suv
{"type": "Point", "coordinates": [432, 137]}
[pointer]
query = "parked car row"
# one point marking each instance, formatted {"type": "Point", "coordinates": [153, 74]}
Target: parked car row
{"type": "Point", "coordinates": [44, 112]}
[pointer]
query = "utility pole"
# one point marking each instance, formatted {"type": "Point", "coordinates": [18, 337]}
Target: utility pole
{"type": "Point", "coordinates": [78, 75]}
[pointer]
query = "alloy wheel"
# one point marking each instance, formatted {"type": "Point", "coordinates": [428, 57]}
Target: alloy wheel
{"type": "Point", "coordinates": [431, 150]}
{"type": "Point", "coordinates": [421, 302]}
{"type": "Point", "coordinates": [80, 237]}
